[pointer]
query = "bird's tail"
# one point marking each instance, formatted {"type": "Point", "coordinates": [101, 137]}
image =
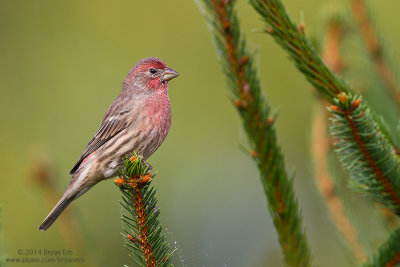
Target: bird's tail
{"type": "Point", "coordinates": [57, 210]}
{"type": "Point", "coordinates": [66, 199]}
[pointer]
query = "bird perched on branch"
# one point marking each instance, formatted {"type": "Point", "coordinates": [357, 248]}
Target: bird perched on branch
{"type": "Point", "coordinates": [138, 120]}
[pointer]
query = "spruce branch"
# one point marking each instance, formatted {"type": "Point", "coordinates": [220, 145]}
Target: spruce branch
{"type": "Point", "coordinates": [388, 254]}
{"type": "Point", "coordinates": [293, 40]}
{"type": "Point", "coordinates": [364, 151]}
{"type": "Point", "coordinates": [245, 88]}
{"type": "Point", "coordinates": [366, 148]}
{"type": "Point", "coordinates": [375, 49]}
{"type": "Point", "coordinates": [142, 229]}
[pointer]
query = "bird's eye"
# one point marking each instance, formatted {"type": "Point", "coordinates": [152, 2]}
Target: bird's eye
{"type": "Point", "coordinates": [152, 70]}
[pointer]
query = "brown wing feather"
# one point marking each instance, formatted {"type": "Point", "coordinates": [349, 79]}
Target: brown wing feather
{"type": "Point", "coordinates": [112, 124]}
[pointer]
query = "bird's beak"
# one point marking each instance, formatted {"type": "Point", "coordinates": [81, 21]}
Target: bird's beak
{"type": "Point", "coordinates": [169, 74]}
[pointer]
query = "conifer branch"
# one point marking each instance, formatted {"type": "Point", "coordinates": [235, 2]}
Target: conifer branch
{"type": "Point", "coordinates": [142, 229]}
{"type": "Point", "coordinates": [375, 49]}
{"type": "Point", "coordinates": [388, 254]}
{"type": "Point", "coordinates": [245, 87]}
{"type": "Point", "coordinates": [358, 144]}
{"type": "Point", "coordinates": [293, 40]}
{"type": "Point", "coordinates": [364, 151]}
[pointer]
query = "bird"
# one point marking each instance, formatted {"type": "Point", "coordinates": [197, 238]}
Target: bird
{"type": "Point", "coordinates": [138, 120]}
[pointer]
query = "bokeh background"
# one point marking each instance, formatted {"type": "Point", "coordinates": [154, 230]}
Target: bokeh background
{"type": "Point", "coordinates": [62, 63]}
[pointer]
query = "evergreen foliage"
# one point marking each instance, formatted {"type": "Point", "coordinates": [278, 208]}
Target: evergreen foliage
{"type": "Point", "coordinates": [332, 87]}
{"type": "Point", "coordinates": [141, 226]}
{"type": "Point", "coordinates": [254, 109]}
{"type": "Point", "coordinates": [301, 51]}
{"type": "Point", "coordinates": [365, 152]}
{"type": "Point", "coordinates": [363, 144]}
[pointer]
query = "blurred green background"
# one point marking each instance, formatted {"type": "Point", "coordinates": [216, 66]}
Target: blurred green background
{"type": "Point", "coordinates": [62, 63]}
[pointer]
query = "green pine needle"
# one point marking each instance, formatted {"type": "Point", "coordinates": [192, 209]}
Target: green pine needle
{"type": "Point", "coordinates": [365, 152]}
{"type": "Point", "coordinates": [142, 231]}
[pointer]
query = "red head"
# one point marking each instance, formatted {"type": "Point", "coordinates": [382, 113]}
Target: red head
{"type": "Point", "coordinates": [150, 74]}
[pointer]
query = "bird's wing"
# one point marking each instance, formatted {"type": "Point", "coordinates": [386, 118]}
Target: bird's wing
{"type": "Point", "coordinates": [113, 123]}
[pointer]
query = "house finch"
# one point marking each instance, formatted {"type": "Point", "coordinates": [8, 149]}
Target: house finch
{"type": "Point", "coordinates": [138, 120]}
